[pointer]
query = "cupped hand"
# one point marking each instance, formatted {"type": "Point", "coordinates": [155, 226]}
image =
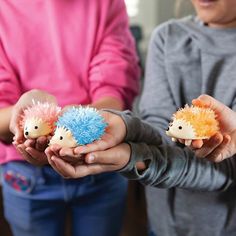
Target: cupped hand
{"type": "Point", "coordinates": [32, 150]}
{"type": "Point", "coordinates": [25, 101]}
{"type": "Point", "coordinates": [66, 154]}
{"type": "Point", "coordinates": [222, 144]}
{"type": "Point", "coordinates": [97, 162]}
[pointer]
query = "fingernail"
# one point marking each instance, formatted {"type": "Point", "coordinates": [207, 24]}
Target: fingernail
{"type": "Point", "coordinates": [91, 158]}
{"type": "Point", "coordinates": [188, 142]}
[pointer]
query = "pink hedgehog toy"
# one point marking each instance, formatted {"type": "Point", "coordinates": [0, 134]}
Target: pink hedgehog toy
{"type": "Point", "coordinates": [39, 119]}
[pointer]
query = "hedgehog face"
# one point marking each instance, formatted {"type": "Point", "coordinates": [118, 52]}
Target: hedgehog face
{"type": "Point", "coordinates": [35, 128]}
{"type": "Point", "coordinates": [63, 138]}
{"type": "Point", "coordinates": [181, 129]}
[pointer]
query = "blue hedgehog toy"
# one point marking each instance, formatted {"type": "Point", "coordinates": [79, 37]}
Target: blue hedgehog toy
{"type": "Point", "coordinates": [78, 126]}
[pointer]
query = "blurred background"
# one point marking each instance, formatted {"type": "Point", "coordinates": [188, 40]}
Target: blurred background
{"type": "Point", "coordinates": [144, 16]}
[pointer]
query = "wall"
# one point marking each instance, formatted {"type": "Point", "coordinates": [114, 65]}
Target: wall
{"type": "Point", "coordinates": [154, 12]}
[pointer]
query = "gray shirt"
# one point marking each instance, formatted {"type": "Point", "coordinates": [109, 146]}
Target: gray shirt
{"type": "Point", "coordinates": [185, 195]}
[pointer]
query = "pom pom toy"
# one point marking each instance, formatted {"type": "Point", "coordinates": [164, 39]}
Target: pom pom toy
{"type": "Point", "coordinates": [193, 122]}
{"type": "Point", "coordinates": [39, 119]}
{"type": "Point", "coordinates": [78, 126]}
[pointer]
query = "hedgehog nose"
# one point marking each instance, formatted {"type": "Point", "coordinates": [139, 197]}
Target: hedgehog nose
{"type": "Point", "coordinates": [26, 133]}
{"type": "Point", "coordinates": [168, 129]}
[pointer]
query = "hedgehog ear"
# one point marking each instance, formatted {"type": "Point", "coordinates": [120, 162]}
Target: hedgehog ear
{"type": "Point", "coordinates": [69, 133]}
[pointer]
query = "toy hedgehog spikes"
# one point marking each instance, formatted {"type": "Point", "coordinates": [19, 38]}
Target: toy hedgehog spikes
{"type": "Point", "coordinates": [39, 119]}
{"type": "Point", "coordinates": [193, 122]}
{"type": "Point", "coordinates": [78, 126]}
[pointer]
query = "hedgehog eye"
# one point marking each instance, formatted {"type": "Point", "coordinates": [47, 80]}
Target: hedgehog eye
{"type": "Point", "coordinates": [180, 127]}
{"type": "Point", "coordinates": [36, 127]}
{"type": "Point", "coordinates": [61, 137]}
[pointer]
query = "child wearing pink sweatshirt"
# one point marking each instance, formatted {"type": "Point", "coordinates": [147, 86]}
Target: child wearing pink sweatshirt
{"type": "Point", "coordinates": [67, 52]}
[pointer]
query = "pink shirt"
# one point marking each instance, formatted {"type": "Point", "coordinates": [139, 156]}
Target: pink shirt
{"type": "Point", "coordinates": [78, 50]}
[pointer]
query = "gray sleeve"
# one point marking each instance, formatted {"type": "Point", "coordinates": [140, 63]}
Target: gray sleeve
{"type": "Point", "coordinates": [138, 130]}
{"type": "Point", "coordinates": [171, 166]}
{"type": "Point", "coordinates": [176, 167]}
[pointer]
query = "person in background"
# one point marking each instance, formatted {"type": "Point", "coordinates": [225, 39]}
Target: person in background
{"type": "Point", "coordinates": [185, 195]}
{"type": "Point", "coordinates": [62, 52]}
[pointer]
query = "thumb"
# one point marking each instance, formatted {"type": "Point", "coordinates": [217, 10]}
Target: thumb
{"type": "Point", "coordinates": [99, 157]}
{"type": "Point", "coordinates": [225, 115]}
{"type": "Point", "coordinates": [15, 126]}
{"type": "Point", "coordinates": [116, 156]}
{"type": "Point", "coordinates": [208, 101]}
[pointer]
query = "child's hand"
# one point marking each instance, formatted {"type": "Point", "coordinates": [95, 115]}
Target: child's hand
{"type": "Point", "coordinates": [96, 162]}
{"type": "Point", "coordinates": [222, 144]}
{"type": "Point", "coordinates": [25, 101]}
{"type": "Point", "coordinates": [114, 134]}
{"type": "Point", "coordinates": [66, 154]}
{"type": "Point", "coordinates": [32, 150]}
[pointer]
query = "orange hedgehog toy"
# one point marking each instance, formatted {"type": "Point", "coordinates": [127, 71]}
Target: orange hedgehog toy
{"type": "Point", "coordinates": [193, 122]}
{"type": "Point", "coordinates": [39, 119]}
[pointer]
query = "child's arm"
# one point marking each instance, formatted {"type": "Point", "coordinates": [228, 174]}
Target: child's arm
{"type": "Point", "coordinates": [114, 70]}
{"type": "Point", "coordinates": [153, 164]}
{"type": "Point", "coordinates": [168, 167]}
{"type": "Point", "coordinates": [162, 166]}
{"type": "Point", "coordinates": [9, 93]}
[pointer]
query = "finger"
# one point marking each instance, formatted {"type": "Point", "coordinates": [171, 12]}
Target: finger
{"type": "Point", "coordinates": [25, 155]}
{"type": "Point", "coordinates": [41, 143]}
{"type": "Point", "coordinates": [63, 168]}
{"type": "Point", "coordinates": [196, 144]}
{"type": "Point", "coordinates": [106, 141]}
{"type": "Point", "coordinates": [117, 156]}
{"type": "Point", "coordinates": [72, 160]}
{"type": "Point", "coordinates": [222, 151]}
{"type": "Point", "coordinates": [187, 142]}
{"type": "Point", "coordinates": [56, 149]}
{"type": "Point", "coordinates": [69, 152]}
{"type": "Point", "coordinates": [15, 127]}
{"type": "Point", "coordinates": [100, 157]}
{"type": "Point", "coordinates": [181, 141]}
{"type": "Point", "coordinates": [36, 155]}
{"type": "Point", "coordinates": [209, 145]}
{"type": "Point", "coordinates": [67, 170]}
{"type": "Point", "coordinates": [19, 137]}
{"type": "Point", "coordinates": [223, 112]}
{"type": "Point", "coordinates": [59, 170]}
{"type": "Point", "coordinates": [49, 153]}
{"type": "Point", "coordinates": [30, 142]}
{"type": "Point", "coordinates": [208, 101]}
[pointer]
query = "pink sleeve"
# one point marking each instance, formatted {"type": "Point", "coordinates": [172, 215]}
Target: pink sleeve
{"type": "Point", "coordinates": [114, 69]}
{"type": "Point", "coordinates": [9, 84]}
